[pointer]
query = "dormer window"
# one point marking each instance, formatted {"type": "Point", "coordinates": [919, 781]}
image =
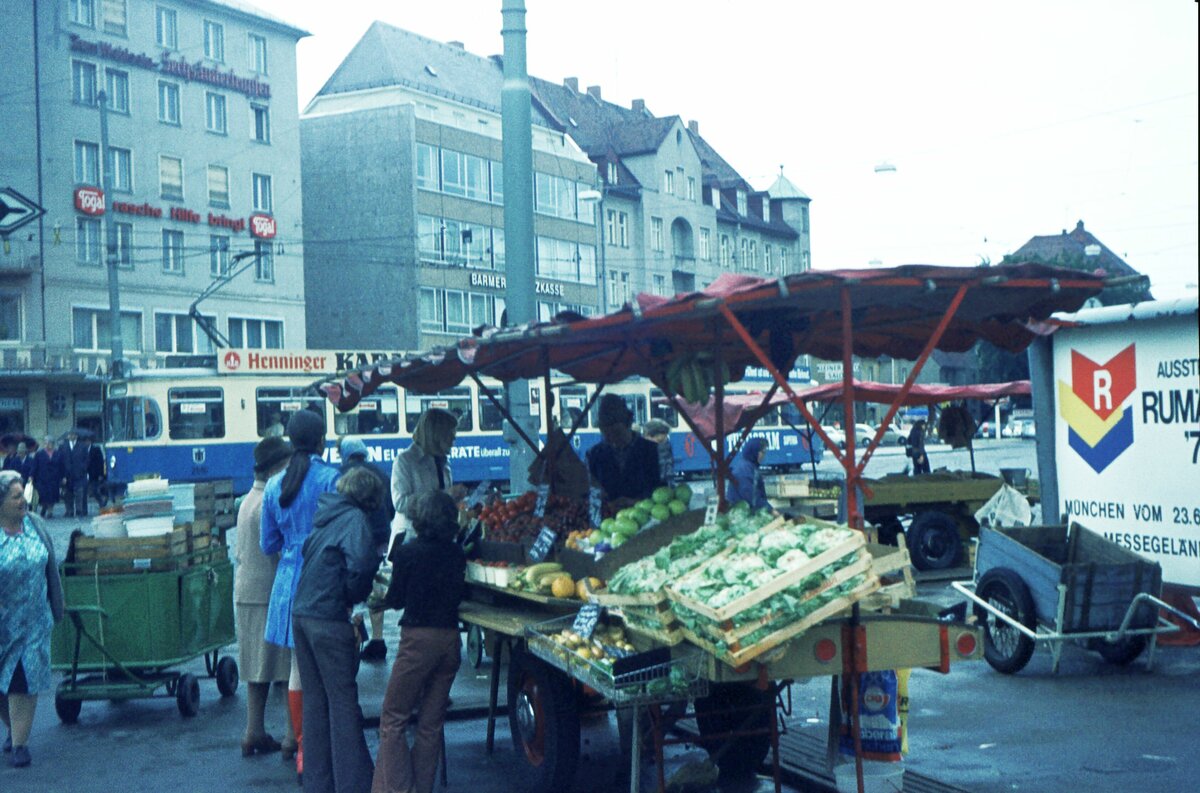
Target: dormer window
{"type": "Point", "coordinates": [741, 202]}
{"type": "Point", "coordinates": [612, 173]}
{"type": "Point", "coordinates": [715, 197]}
{"type": "Point", "coordinates": [766, 207]}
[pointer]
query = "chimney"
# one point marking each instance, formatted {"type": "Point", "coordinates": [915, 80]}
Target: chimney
{"type": "Point", "coordinates": [572, 83]}
{"type": "Point", "coordinates": [694, 127]}
{"type": "Point", "coordinates": [594, 91]}
{"type": "Point", "coordinates": [639, 105]}
{"type": "Point", "coordinates": [458, 45]}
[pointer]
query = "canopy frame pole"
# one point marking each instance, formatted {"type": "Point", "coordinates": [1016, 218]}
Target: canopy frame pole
{"type": "Point", "coordinates": [547, 401]}
{"type": "Point", "coordinates": [721, 470]}
{"type": "Point", "coordinates": [779, 379]}
{"type": "Point", "coordinates": [853, 518]}
{"type": "Point", "coordinates": [918, 366]}
{"type": "Point", "coordinates": [487, 392]}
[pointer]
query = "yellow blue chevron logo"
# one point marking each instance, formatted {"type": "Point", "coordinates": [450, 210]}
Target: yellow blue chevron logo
{"type": "Point", "coordinates": [1099, 423]}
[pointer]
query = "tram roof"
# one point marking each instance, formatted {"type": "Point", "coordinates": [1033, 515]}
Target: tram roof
{"type": "Point", "coordinates": [894, 312]}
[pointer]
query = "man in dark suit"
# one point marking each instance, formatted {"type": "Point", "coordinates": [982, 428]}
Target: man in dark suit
{"type": "Point", "coordinates": [75, 471]}
{"type": "Point", "coordinates": [97, 472]}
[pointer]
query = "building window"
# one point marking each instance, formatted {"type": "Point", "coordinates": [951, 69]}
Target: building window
{"type": "Point", "coordinates": [170, 177]}
{"type": "Point", "coordinates": [116, 90]}
{"type": "Point", "coordinates": [660, 284]}
{"type": "Point", "coordinates": [177, 333]}
{"type": "Point", "coordinates": [264, 261]}
{"type": "Point", "coordinates": [745, 261]}
{"type": "Point", "coordinates": [432, 314]}
{"type": "Point", "coordinates": [256, 334]}
{"type": "Point", "coordinates": [725, 253]}
{"type": "Point", "coordinates": [120, 170]}
{"type": "Point", "coordinates": [783, 263]}
{"type": "Point", "coordinates": [218, 186]}
{"type": "Point", "coordinates": [453, 179]}
{"type": "Point", "coordinates": [618, 288]}
{"type": "Point", "coordinates": [768, 264]}
{"type": "Point", "coordinates": [766, 207]}
{"type": "Point", "coordinates": [804, 263]}
{"type": "Point", "coordinates": [168, 102]}
{"type": "Point", "coordinates": [87, 240]}
{"type": "Point", "coordinates": [166, 28]}
{"type": "Point", "coordinates": [691, 188]}
{"type": "Point", "coordinates": [258, 53]}
{"type": "Point", "coordinates": [741, 203]}
{"type": "Point", "coordinates": [669, 182]}
{"type": "Point", "coordinates": [10, 316]}
{"type": "Point", "coordinates": [714, 195]}
{"type": "Point", "coordinates": [554, 195]}
{"type": "Point", "coordinates": [87, 163]}
{"type": "Point", "coordinates": [656, 234]}
{"type": "Point", "coordinates": [752, 256]}
{"type": "Point", "coordinates": [214, 41]}
{"type": "Point", "coordinates": [617, 228]}
{"type": "Point", "coordinates": [427, 167]}
{"type": "Point", "coordinates": [705, 246]}
{"type": "Point", "coordinates": [90, 329]}
{"type": "Point", "coordinates": [563, 260]}
{"type": "Point", "coordinates": [497, 171]}
{"type": "Point", "coordinates": [260, 123]}
{"type": "Point", "coordinates": [114, 17]}
{"type": "Point", "coordinates": [172, 251]}
{"type": "Point", "coordinates": [804, 219]}
{"type": "Point", "coordinates": [123, 233]}
{"type": "Point", "coordinates": [83, 83]}
{"type": "Point", "coordinates": [612, 173]}
{"type": "Point", "coordinates": [476, 173]}
{"type": "Point", "coordinates": [83, 12]}
{"type": "Point", "coordinates": [457, 319]}
{"type": "Point", "coordinates": [262, 192]}
{"type": "Point", "coordinates": [218, 256]}
{"type": "Point", "coordinates": [214, 113]}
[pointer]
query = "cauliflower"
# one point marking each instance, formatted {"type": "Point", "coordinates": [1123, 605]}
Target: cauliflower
{"type": "Point", "coordinates": [792, 559]}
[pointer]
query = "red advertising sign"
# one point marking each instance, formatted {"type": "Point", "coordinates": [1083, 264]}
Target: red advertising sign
{"type": "Point", "coordinates": [262, 226]}
{"type": "Point", "coordinates": [89, 200]}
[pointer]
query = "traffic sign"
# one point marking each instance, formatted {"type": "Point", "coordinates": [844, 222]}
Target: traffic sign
{"type": "Point", "coordinates": [16, 210]}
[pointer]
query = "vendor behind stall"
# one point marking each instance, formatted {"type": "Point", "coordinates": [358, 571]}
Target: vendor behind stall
{"type": "Point", "coordinates": [623, 464]}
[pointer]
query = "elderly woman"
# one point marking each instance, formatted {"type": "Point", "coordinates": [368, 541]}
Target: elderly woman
{"type": "Point", "coordinates": [340, 559]}
{"type": "Point", "coordinates": [428, 583]}
{"type": "Point", "coordinates": [261, 663]}
{"type": "Point", "coordinates": [421, 468]}
{"type": "Point", "coordinates": [288, 508]}
{"type": "Point", "coordinates": [31, 601]}
{"type": "Point", "coordinates": [745, 480]}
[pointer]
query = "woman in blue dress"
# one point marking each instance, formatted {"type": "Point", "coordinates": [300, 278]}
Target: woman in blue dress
{"type": "Point", "coordinates": [30, 603]}
{"type": "Point", "coordinates": [289, 505]}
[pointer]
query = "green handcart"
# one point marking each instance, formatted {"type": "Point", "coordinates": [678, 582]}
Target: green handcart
{"type": "Point", "coordinates": [136, 608]}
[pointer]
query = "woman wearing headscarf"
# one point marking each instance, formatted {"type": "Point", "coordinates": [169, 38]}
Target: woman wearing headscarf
{"type": "Point", "coordinates": [745, 479]}
{"type": "Point", "coordinates": [421, 468]}
{"type": "Point", "coordinates": [340, 559]}
{"type": "Point", "coordinates": [288, 508]}
{"type": "Point", "coordinates": [428, 582]}
{"type": "Point", "coordinates": [260, 662]}
{"type": "Point", "coordinates": [33, 601]}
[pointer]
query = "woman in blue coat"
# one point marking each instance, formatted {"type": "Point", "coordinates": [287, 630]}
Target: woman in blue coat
{"type": "Point", "coordinates": [289, 506]}
{"type": "Point", "coordinates": [745, 481]}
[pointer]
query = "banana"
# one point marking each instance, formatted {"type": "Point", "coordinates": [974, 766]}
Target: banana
{"type": "Point", "coordinates": [674, 375]}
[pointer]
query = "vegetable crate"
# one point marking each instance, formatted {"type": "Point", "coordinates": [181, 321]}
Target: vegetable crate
{"type": "Point", "coordinates": [118, 555]}
{"type": "Point", "coordinates": [648, 614]}
{"type": "Point", "coordinates": [890, 562]}
{"type": "Point", "coordinates": [720, 626]}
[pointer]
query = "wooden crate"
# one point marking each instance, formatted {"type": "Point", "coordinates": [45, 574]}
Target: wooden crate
{"type": "Point", "coordinates": [787, 486]}
{"type": "Point", "coordinates": [658, 624]}
{"type": "Point", "coordinates": [893, 565]}
{"type": "Point", "coordinates": [132, 554]}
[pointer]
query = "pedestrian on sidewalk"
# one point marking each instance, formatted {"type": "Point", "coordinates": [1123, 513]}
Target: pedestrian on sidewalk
{"type": "Point", "coordinates": [33, 601]}
{"type": "Point", "coordinates": [74, 471]}
{"type": "Point", "coordinates": [428, 583]}
{"type": "Point", "coordinates": [47, 476]}
{"type": "Point", "coordinates": [916, 448]}
{"type": "Point", "coordinates": [340, 559]}
{"type": "Point", "coordinates": [259, 662]}
{"type": "Point", "coordinates": [97, 472]}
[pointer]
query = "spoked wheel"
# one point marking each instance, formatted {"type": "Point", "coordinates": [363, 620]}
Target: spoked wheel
{"type": "Point", "coordinates": [187, 695]}
{"type": "Point", "coordinates": [227, 676]}
{"type": "Point", "coordinates": [67, 709]}
{"type": "Point", "coordinates": [934, 542]}
{"type": "Point", "coordinates": [734, 707]}
{"type": "Point", "coordinates": [544, 721]}
{"type": "Point", "coordinates": [1005, 648]}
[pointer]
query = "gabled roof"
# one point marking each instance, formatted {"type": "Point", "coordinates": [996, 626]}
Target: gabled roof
{"type": "Point", "coordinates": [387, 55]}
{"type": "Point", "coordinates": [717, 171]}
{"type": "Point", "coordinates": [784, 189]}
{"type": "Point", "coordinates": [1070, 245]}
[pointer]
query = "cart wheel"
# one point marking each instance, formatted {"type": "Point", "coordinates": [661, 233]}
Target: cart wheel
{"type": "Point", "coordinates": [1120, 653]}
{"type": "Point", "coordinates": [726, 709]}
{"type": "Point", "coordinates": [227, 676]}
{"type": "Point", "coordinates": [187, 695]}
{"type": "Point", "coordinates": [67, 709]}
{"type": "Point", "coordinates": [1005, 647]}
{"type": "Point", "coordinates": [475, 646]}
{"type": "Point", "coordinates": [544, 721]}
{"type": "Point", "coordinates": [934, 542]}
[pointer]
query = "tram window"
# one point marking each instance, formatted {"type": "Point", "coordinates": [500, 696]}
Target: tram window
{"type": "Point", "coordinates": [770, 418]}
{"type": "Point", "coordinates": [274, 407]}
{"type": "Point", "coordinates": [378, 414]}
{"type": "Point", "coordinates": [133, 419]}
{"type": "Point", "coordinates": [490, 417]}
{"type": "Point", "coordinates": [635, 402]}
{"type": "Point", "coordinates": [194, 413]}
{"type": "Point", "coordinates": [572, 400]}
{"type": "Point", "coordinates": [662, 409]}
{"type": "Point", "coordinates": [455, 400]}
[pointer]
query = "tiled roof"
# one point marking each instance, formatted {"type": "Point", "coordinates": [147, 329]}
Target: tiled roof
{"type": "Point", "coordinates": [249, 10]}
{"type": "Point", "coordinates": [717, 171]}
{"type": "Point", "coordinates": [1070, 245]}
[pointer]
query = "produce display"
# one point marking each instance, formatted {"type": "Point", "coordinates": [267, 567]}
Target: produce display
{"type": "Point", "coordinates": [549, 578]}
{"type": "Point", "coordinates": [693, 377]}
{"type": "Point", "coordinates": [514, 521]}
{"type": "Point", "coordinates": [605, 646]}
{"type": "Point", "coordinates": [614, 531]}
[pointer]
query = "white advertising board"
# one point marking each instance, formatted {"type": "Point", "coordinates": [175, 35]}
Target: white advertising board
{"type": "Point", "coordinates": [1127, 436]}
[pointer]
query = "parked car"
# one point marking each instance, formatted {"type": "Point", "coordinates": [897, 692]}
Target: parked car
{"type": "Point", "coordinates": [835, 435]}
{"type": "Point", "coordinates": [984, 430]}
{"type": "Point", "coordinates": [892, 436]}
{"type": "Point", "coordinates": [1012, 429]}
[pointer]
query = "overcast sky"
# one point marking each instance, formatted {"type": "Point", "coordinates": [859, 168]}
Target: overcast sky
{"type": "Point", "coordinates": [1003, 121]}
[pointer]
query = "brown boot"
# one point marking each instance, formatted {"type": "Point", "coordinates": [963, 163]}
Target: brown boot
{"type": "Point", "coordinates": [296, 709]}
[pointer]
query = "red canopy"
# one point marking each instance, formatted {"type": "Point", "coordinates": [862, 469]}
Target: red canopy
{"type": "Point", "coordinates": [744, 410]}
{"type": "Point", "coordinates": [894, 311]}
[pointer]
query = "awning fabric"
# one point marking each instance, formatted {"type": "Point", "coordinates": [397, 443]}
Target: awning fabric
{"type": "Point", "coordinates": [894, 312]}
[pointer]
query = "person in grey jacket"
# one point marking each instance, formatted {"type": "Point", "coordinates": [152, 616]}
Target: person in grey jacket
{"type": "Point", "coordinates": [340, 560]}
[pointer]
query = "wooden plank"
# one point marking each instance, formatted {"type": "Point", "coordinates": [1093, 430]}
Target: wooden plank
{"type": "Point", "coordinates": [611, 599]}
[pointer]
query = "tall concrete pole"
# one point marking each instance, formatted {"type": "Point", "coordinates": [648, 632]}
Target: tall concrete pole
{"type": "Point", "coordinates": [110, 247]}
{"type": "Point", "coordinates": [516, 130]}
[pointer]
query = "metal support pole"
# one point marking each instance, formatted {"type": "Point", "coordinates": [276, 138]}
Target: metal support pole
{"type": "Point", "coordinates": [853, 518]}
{"type": "Point", "coordinates": [116, 343]}
{"type": "Point", "coordinates": [721, 473]}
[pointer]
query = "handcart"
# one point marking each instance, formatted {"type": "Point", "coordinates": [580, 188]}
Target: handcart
{"type": "Point", "coordinates": [1055, 584]}
{"type": "Point", "coordinates": [137, 608]}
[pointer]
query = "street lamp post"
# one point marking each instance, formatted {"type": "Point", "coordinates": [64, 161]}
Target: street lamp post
{"type": "Point", "coordinates": [117, 344]}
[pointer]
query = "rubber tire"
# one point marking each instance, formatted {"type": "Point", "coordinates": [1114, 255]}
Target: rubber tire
{"type": "Point", "coordinates": [187, 695]}
{"type": "Point", "coordinates": [227, 676]}
{"type": "Point", "coordinates": [934, 542]}
{"type": "Point", "coordinates": [67, 709]}
{"type": "Point", "coordinates": [889, 529]}
{"type": "Point", "coordinates": [1003, 585]}
{"type": "Point", "coordinates": [748, 752]}
{"type": "Point", "coordinates": [475, 646]}
{"type": "Point", "coordinates": [552, 769]}
{"type": "Point", "coordinates": [1121, 653]}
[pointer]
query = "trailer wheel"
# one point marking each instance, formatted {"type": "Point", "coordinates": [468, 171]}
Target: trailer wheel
{"type": "Point", "coordinates": [544, 721]}
{"type": "Point", "coordinates": [934, 542]}
{"type": "Point", "coordinates": [727, 708]}
{"type": "Point", "coordinates": [67, 709]}
{"type": "Point", "coordinates": [1120, 653]}
{"type": "Point", "coordinates": [227, 676]}
{"type": "Point", "coordinates": [187, 695]}
{"type": "Point", "coordinates": [1005, 648]}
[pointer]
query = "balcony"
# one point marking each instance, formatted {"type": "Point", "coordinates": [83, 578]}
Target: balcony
{"type": "Point", "coordinates": [15, 267]}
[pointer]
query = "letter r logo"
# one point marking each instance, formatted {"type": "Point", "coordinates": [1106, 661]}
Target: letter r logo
{"type": "Point", "coordinates": [1102, 390]}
